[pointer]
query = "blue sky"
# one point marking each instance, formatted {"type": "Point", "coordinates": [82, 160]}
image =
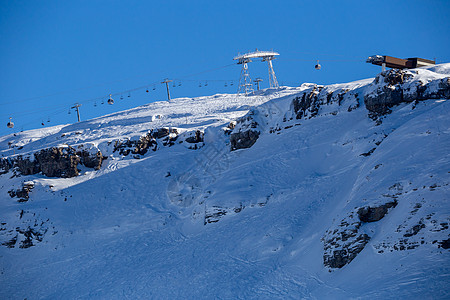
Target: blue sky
{"type": "Point", "coordinates": [56, 53]}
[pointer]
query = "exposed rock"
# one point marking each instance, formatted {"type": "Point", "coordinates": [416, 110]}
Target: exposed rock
{"type": "Point", "coordinates": [343, 243]}
{"type": "Point", "coordinates": [24, 193]}
{"type": "Point", "coordinates": [245, 134]}
{"type": "Point", "coordinates": [147, 142]}
{"type": "Point", "coordinates": [346, 254]}
{"type": "Point", "coordinates": [196, 138]}
{"type": "Point", "coordinates": [89, 160]}
{"type": "Point", "coordinates": [52, 162]}
{"type": "Point", "coordinates": [373, 214]}
{"type": "Point", "coordinates": [5, 165]}
{"type": "Point", "coordinates": [26, 166]}
{"type": "Point", "coordinates": [245, 139]}
{"type": "Point", "coordinates": [445, 244]}
{"type": "Point", "coordinates": [308, 103]}
{"type": "Point", "coordinates": [393, 87]}
{"type": "Point", "coordinates": [58, 162]}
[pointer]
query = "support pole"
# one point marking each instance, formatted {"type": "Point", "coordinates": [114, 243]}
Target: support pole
{"type": "Point", "coordinates": [383, 67]}
{"type": "Point", "coordinates": [245, 82]}
{"type": "Point", "coordinates": [258, 80]}
{"type": "Point", "coordinates": [166, 81]}
{"type": "Point", "coordinates": [77, 107]}
{"type": "Point", "coordinates": [273, 82]}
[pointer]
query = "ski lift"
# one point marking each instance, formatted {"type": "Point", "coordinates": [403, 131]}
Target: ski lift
{"type": "Point", "coordinates": [174, 84]}
{"type": "Point", "coordinates": [146, 90]}
{"type": "Point", "coordinates": [95, 104]}
{"type": "Point", "coordinates": [48, 120]}
{"type": "Point", "coordinates": [200, 84]}
{"type": "Point", "coordinates": [206, 83]}
{"type": "Point", "coordinates": [42, 123]}
{"type": "Point", "coordinates": [129, 95]}
{"type": "Point", "coordinates": [179, 83]}
{"type": "Point", "coordinates": [110, 100]}
{"type": "Point", "coordinates": [103, 101]}
{"type": "Point", "coordinates": [10, 123]}
{"type": "Point", "coordinates": [121, 97]}
{"type": "Point", "coordinates": [318, 66]}
{"type": "Point", "coordinates": [69, 112]}
{"type": "Point", "coordinates": [231, 83]}
{"type": "Point", "coordinates": [226, 84]}
{"type": "Point", "coordinates": [154, 87]}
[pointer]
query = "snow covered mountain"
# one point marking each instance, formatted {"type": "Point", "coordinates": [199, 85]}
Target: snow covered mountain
{"type": "Point", "coordinates": [327, 192]}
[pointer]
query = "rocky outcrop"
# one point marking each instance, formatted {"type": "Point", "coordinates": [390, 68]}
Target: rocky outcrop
{"type": "Point", "coordinates": [90, 160]}
{"type": "Point", "coordinates": [372, 214]}
{"type": "Point", "coordinates": [138, 147]}
{"type": "Point", "coordinates": [53, 162]}
{"type": "Point", "coordinates": [243, 139]}
{"type": "Point", "coordinates": [24, 193]}
{"type": "Point", "coordinates": [395, 86]}
{"type": "Point", "coordinates": [58, 162]}
{"type": "Point", "coordinates": [196, 137]}
{"type": "Point", "coordinates": [309, 102]}
{"type": "Point", "coordinates": [245, 133]}
{"type": "Point", "coordinates": [344, 242]}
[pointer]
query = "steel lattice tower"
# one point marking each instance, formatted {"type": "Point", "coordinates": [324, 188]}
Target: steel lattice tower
{"type": "Point", "coordinates": [245, 82]}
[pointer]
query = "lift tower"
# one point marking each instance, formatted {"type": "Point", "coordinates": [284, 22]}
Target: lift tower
{"type": "Point", "coordinates": [245, 82]}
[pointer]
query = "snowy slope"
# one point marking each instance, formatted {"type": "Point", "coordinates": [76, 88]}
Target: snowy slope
{"type": "Point", "coordinates": [252, 223]}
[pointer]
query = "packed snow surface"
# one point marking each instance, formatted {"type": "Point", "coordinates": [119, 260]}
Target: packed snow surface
{"type": "Point", "coordinates": [182, 223]}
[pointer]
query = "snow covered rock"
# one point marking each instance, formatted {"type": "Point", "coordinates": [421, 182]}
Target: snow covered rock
{"type": "Point", "coordinates": [376, 213]}
{"type": "Point", "coordinates": [245, 133]}
{"type": "Point", "coordinates": [395, 86]}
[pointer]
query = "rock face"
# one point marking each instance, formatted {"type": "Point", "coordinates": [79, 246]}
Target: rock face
{"type": "Point", "coordinates": [308, 103]}
{"type": "Point", "coordinates": [91, 161]}
{"type": "Point", "coordinates": [243, 139]}
{"type": "Point", "coordinates": [373, 214]}
{"type": "Point", "coordinates": [197, 137]}
{"type": "Point", "coordinates": [245, 133]}
{"type": "Point", "coordinates": [58, 162]}
{"type": "Point", "coordinates": [24, 193]}
{"type": "Point", "coordinates": [53, 162]}
{"type": "Point", "coordinates": [343, 243]}
{"type": "Point", "coordinates": [141, 146]}
{"type": "Point", "coordinates": [393, 87]}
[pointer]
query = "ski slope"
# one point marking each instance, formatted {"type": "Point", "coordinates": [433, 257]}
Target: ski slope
{"type": "Point", "coordinates": [181, 223]}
